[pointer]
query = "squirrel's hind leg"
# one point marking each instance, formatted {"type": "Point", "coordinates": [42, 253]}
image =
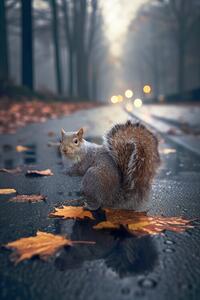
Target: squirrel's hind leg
{"type": "Point", "coordinates": [90, 189]}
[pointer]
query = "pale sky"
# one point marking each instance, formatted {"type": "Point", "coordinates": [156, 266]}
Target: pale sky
{"type": "Point", "coordinates": [117, 16]}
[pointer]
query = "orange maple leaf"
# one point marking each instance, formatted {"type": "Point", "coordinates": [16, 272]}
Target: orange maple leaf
{"type": "Point", "coordinates": [139, 223]}
{"type": "Point", "coordinates": [46, 172]}
{"type": "Point", "coordinates": [71, 212]}
{"type": "Point", "coordinates": [28, 198]}
{"type": "Point", "coordinates": [43, 245]}
{"type": "Point", "coordinates": [7, 191]}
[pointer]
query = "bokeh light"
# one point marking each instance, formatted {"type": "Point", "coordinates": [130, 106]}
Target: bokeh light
{"type": "Point", "coordinates": [129, 93]}
{"type": "Point", "coordinates": [129, 106]}
{"type": "Point", "coordinates": [147, 89]}
{"type": "Point", "coordinates": [120, 98]}
{"type": "Point", "coordinates": [137, 103]}
{"type": "Point", "coordinates": [114, 99]}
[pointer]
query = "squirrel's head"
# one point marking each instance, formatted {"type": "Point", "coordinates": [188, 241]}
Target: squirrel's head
{"type": "Point", "coordinates": [71, 142]}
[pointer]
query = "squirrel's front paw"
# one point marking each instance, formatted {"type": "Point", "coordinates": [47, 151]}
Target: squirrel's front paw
{"type": "Point", "coordinates": [91, 206]}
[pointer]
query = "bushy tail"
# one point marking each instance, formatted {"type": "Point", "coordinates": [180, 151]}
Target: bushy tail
{"type": "Point", "coordinates": [135, 150]}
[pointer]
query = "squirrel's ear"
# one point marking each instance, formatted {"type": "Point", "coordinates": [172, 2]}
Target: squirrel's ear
{"type": "Point", "coordinates": [80, 133]}
{"type": "Point", "coordinates": [63, 133]}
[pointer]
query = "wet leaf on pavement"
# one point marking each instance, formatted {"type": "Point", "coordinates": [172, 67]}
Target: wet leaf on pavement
{"type": "Point", "coordinates": [43, 245]}
{"type": "Point", "coordinates": [28, 198]}
{"type": "Point", "coordinates": [139, 223]}
{"type": "Point", "coordinates": [51, 133]}
{"type": "Point", "coordinates": [11, 171]}
{"type": "Point", "coordinates": [14, 115]}
{"type": "Point", "coordinates": [71, 212]}
{"type": "Point", "coordinates": [46, 172]}
{"type": "Point", "coordinates": [172, 131]}
{"type": "Point", "coordinates": [7, 191]}
{"type": "Point", "coordinates": [20, 148]}
{"type": "Point", "coordinates": [167, 150]}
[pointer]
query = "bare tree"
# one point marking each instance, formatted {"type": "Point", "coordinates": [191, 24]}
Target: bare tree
{"type": "Point", "coordinates": [27, 44]}
{"type": "Point", "coordinates": [4, 69]}
{"type": "Point", "coordinates": [56, 46]}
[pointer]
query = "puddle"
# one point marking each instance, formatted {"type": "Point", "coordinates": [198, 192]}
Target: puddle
{"type": "Point", "coordinates": [147, 283]}
{"type": "Point", "coordinates": [10, 158]}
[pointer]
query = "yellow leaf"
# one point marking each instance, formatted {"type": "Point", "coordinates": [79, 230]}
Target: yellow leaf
{"type": "Point", "coordinates": [139, 223]}
{"type": "Point", "coordinates": [107, 225]}
{"type": "Point", "coordinates": [20, 148]}
{"type": "Point", "coordinates": [7, 191]}
{"type": "Point", "coordinates": [168, 150]}
{"type": "Point", "coordinates": [71, 212]}
{"type": "Point", "coordinates": [46, 172]}
{"type": "Point", "coordinates": [43, 245]}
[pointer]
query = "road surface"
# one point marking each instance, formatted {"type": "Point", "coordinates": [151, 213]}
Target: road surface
{"type": "Point", "coordinates": [118, 267]}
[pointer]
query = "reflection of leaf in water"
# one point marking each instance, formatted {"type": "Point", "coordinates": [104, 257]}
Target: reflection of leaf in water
{"type": "Point", "coordinates": [138, 223]}
{"type": "Point", "coordinates": [11, 171]}
{"type": "Point", "coordinates": [43, 245]}
{"type": "Point", "coordinates": [7, 191]}
{"type": "Point", "coordinates": [20, 148]}
{"type": "Point", "coordinates": [72, 212]}
{"type": "Point", "coordinates": [28, 198]}
{"type": "Point", "coordinates": [46, 172]}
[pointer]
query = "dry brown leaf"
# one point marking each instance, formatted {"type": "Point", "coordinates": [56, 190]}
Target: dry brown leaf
{"type": "Point", "coordinates": [46, 172]}
{"type": "Point", "coordinates": [20, 148]}
{"type": "Point", "coordinates": [71, 212]}
{"type": "Point", "coordinates": [51, 133]}
{"type": "Point", "coordinates": [7, 191]}
{"type": "Point", "coordinates": [43, 245]}
{"type": "Point", "coordinates": [11, 171]}
{"type": "Point", "coordinates": [17, 114]}
{"type": "Point", "coordinates": [28, 198]}
{"type": "Point", "coordinates": [172, 131]}
{"type": "Point", "coordinates": [138, 223]}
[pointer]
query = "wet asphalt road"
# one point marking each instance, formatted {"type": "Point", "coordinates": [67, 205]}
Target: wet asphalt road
{"type": "Point", "coordinates": [117, 267]}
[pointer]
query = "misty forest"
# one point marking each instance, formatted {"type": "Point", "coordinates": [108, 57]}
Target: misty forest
{"type": "Point", "coordinates": [66, 48]}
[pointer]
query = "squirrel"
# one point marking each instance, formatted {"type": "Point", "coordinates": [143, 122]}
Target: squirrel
{"type": "Point", "coordinates": [117, 173]}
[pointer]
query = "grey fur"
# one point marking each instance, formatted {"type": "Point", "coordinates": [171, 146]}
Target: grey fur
{"type": "Point", "coordinates": [110, 171]}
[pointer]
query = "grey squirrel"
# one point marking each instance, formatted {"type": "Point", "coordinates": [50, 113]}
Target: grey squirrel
{"type": "Point", "coordinates": [117, 173]}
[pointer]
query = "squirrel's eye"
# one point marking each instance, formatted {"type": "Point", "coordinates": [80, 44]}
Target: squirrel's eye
{"type": "Point", "coordinates": [75, 141]}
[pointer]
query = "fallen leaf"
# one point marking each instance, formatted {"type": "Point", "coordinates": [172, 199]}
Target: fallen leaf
{"type": "Point", "coordinates": [51, 133]}
{"type": "Point", "coordinates": [20, 148]}
{"type": "Point", "coordinates": [28, 198]}
{"type": "Point", "coordinates": [167, 150]}
{"type": "Point", "coordinates": [46, 172]}
{"type": "Point", "coordinates": [107, 225]}
{"type": "Point", "coordinates": [7, 191]}
{"type": "Point", "coordinates": [172, 131]}
{"type": "Point", "coordinates": [14, 115]}
{"type": "Point", "coordinates": [71, 212]}
{"type": "Point", "coordinates": [43, 245]}
{"type": "Point", "coordinates": [139, 223]}
{"type": "Point", "coordinates": [11, 171]}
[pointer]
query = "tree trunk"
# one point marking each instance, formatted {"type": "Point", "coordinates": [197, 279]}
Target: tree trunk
{"type": "Point", "coordinates": [27, 44]}
{"type": "Point", "coordinates": [181, 63]}
{"type": "Point", "coordinates": [71, 72]}
{"type": "Point", "coordinates": [4, 69]}
{"type": "Point", "coordinates": [56, 47]}
{"type": "Point", "coordinates": [69, 36]}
